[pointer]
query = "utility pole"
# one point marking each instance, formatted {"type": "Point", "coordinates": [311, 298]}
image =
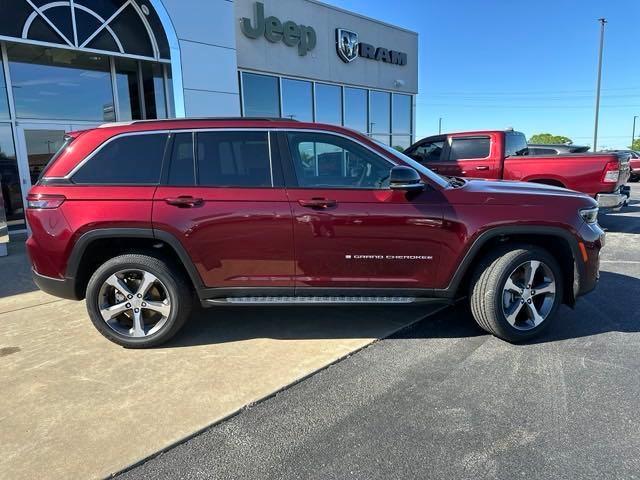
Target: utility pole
{"type": "Point", "coordinates": [603, 22]}
{"type": "Point", "coordinates": [440, 126]}
{"type": "Point", "coordinates": [633, 135]}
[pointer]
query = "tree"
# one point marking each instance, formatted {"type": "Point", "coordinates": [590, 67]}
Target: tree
{"type": "Point", "coordinates": [636, 145]}
{"type": "Point", "coordinates": [548, 138]}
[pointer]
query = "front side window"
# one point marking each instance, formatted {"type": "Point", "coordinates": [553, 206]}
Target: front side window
{"type": "Point", "coordinates": [467, 148]}
{"type": "Point", "coordinates": [328, 161]}
{"type": "Point", "coordinates": [233, 159]}
{"type": "Point", "coordinates": [126, 160]}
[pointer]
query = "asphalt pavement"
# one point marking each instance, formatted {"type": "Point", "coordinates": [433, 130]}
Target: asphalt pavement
{"type": "Point", "coordinates": [444, 400]}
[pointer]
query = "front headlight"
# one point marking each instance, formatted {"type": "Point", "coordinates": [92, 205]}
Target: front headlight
{"type": "Point", "coordinates": [589, 215]}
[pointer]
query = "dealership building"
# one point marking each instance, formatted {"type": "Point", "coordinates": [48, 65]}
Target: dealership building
{"type": "Point", "coordinates": [75, 64]}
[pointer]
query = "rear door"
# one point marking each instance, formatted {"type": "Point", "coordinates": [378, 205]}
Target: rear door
{"type": "Point", "coordinates": [351, 231]}
{"type": "Point", "coordinates": [223, 198]}
{"type": "Point", "coordinates": [474, 156]}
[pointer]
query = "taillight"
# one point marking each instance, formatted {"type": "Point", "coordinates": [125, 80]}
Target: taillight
{"type": "Point", "coordinates": [44, 202]}
{"type": "Point", "coordinates": [611, 172]}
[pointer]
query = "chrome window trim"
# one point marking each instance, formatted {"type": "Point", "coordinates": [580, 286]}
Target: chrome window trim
{"type": "Point", "coordinates": [168, 132]}
{"type": "Point", "coordinates": [213, 129]}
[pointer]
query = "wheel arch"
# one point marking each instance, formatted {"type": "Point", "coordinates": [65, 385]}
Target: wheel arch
{"type": "Point", "coordinates": [559, 242]}
{"type": "Point", "coordinates": [96, 246]}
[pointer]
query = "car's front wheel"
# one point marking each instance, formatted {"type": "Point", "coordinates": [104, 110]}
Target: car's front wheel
{"type": "Point", "coordinates": [516, 292]}
{"type": "Point", "coordinates": [138, 301]}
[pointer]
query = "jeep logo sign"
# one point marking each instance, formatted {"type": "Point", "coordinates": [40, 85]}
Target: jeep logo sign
{"type": "Point", "coordinates": [349, 48]}
{"type": "Point", "coordinates": [290, 33]}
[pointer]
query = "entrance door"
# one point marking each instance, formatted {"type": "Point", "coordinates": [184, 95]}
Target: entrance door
{"type": "Point", "coordinates": [37, 143]}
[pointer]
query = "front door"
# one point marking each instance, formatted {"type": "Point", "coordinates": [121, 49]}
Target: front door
{"type": "Point", "coordinates": [229, 210]}
{"type": "Point", "coordinates": [351, 230]}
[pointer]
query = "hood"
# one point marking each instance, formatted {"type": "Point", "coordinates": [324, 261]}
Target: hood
{"type": "Point", "coordinates": [501, 192]}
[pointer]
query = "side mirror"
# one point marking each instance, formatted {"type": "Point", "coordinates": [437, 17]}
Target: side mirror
{"type": "Point", "coordinates": [405, 178]}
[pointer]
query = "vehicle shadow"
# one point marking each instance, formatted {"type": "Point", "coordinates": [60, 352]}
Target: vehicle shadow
{"type": "Point", "coordinates": [625, 221]}
{"type": "Point", "coordinates": [599, 312]}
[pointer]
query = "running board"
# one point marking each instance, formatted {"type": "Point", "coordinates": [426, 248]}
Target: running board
{"type": "Point", "coordinates": [317, 300]}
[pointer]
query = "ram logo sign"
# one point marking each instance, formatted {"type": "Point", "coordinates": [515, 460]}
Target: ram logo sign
{"type": "Point", "coordinates": [349, 48]}
{"type": "Point", "coordinates": [347, 43]}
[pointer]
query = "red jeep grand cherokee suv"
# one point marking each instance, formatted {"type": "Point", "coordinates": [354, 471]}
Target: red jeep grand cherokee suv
{"type": "Point", "coordinates": [142, 218]}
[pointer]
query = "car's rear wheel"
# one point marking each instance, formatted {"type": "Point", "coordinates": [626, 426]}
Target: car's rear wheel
{"type": "Point", "coordinates": [138, 301]}
{"type": "Point", "coordinates": [516, 292]}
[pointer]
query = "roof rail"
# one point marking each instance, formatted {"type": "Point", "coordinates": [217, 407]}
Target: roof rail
{"type": "Point", "coordinates": [228, 119]}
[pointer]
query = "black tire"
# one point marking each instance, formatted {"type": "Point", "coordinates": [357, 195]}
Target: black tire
{"type": "Point", "coordinates": [488, 281]}
{"type": "Point", "coordinates": [177, 290]}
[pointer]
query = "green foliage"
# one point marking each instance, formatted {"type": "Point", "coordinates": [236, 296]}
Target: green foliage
{"type": "Point", "coordinates": [636, 145]}
{"type": "Point", "coordinates": [548, 138]}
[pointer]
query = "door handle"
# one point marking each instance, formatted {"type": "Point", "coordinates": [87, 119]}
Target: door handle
{"type": "Point", "coordinates": [482, 168]}
{"type": "Point", "coordinates": [318, 203]}
{"type": "Point", "coordinates": [433, 169]}
{"type": "Point", "coordinates": [184, 201]}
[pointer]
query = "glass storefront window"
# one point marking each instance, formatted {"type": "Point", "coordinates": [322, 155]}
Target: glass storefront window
{"type": "Point", "coordinates": [10, 180]}
{"type": "Point", "coordinates": [401, 142]}
{"type": "Point", "coordinates": [297, 101]}
{"type": "Point", "coordinates": [382, 138]}
{"type": "Point", "coordinates": [328, 104]}
{"type": "Point", "coordinates": [51, 83]}
{"type": "Point", "coordinates": [355, 109]}
{"type": "Point", "coordinates": [380, 112]}
{"type": "Point", "coordinates": [128, 89]}
{"type": "Point", "coordinates": [155, 101]}
{"type": "Point", "coordinates": [261, 95]}
{"type": "Point", "coordinates": [4, 100]}
{"type": "Point", "coordinates": [401, 113]}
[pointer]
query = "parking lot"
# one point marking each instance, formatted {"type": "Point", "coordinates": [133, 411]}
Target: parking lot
{"type": "Point", "coordinates": [444, 400]}
{"type": "Point", "coordinates": [438, 399]}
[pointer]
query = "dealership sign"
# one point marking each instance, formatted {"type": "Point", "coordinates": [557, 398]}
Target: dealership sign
{"type": "Point", "coordinates": [274, 30]}
{"type": "Point", "coordinates": [349, 48]}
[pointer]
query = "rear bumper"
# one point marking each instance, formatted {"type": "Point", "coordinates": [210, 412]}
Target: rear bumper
{"type": "Point", "coordinates": [63, 288]}
{"type": "Point", "coordinates": [613, 200]}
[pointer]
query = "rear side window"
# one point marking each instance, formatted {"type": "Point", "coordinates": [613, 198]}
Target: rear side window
{"type": "Point", "coordinates": [428, 152]}
{"type": "Point", "coordinates": [182, 166]}
{"type": "Point", "coordinates": [233, 159]}
{"type": "Point", "coordinates": [515, 144]}
{"type": "Point", "coordinates": [466, 148]}
{"type": "Point", "coordinates": [127, 160]}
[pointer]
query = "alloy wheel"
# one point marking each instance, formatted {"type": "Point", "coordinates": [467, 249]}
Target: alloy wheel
{"type": "Point", "coordinates": [528, 295]}
{"type": "Point", "coordinates": [134, 303]}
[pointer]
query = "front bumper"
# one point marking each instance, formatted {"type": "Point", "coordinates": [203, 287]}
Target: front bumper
{"type": "Point", "coordinates": [593, 238]}
{"type": "Point", "coordinates": [63, 288]}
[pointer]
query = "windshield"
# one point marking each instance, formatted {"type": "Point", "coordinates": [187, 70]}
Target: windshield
{"type": "Point", "coordinates": [413, 164]}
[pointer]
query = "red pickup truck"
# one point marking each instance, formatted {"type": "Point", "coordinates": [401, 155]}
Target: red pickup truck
{"type": "Point", "coordinates": [504, 155]}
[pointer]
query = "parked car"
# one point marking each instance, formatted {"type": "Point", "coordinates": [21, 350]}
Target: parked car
{"type": "Point", "coordinates": [556, 149]}
{"type": "Point", "coordinates": [142, 218]}
{"type": "Point", "coordinates": [634, 163]}
{"type": "Point", "coordinates": [499, 154]}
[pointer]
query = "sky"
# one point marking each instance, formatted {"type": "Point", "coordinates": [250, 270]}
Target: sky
{"type": "Point", "coordinates": [493, 64]}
